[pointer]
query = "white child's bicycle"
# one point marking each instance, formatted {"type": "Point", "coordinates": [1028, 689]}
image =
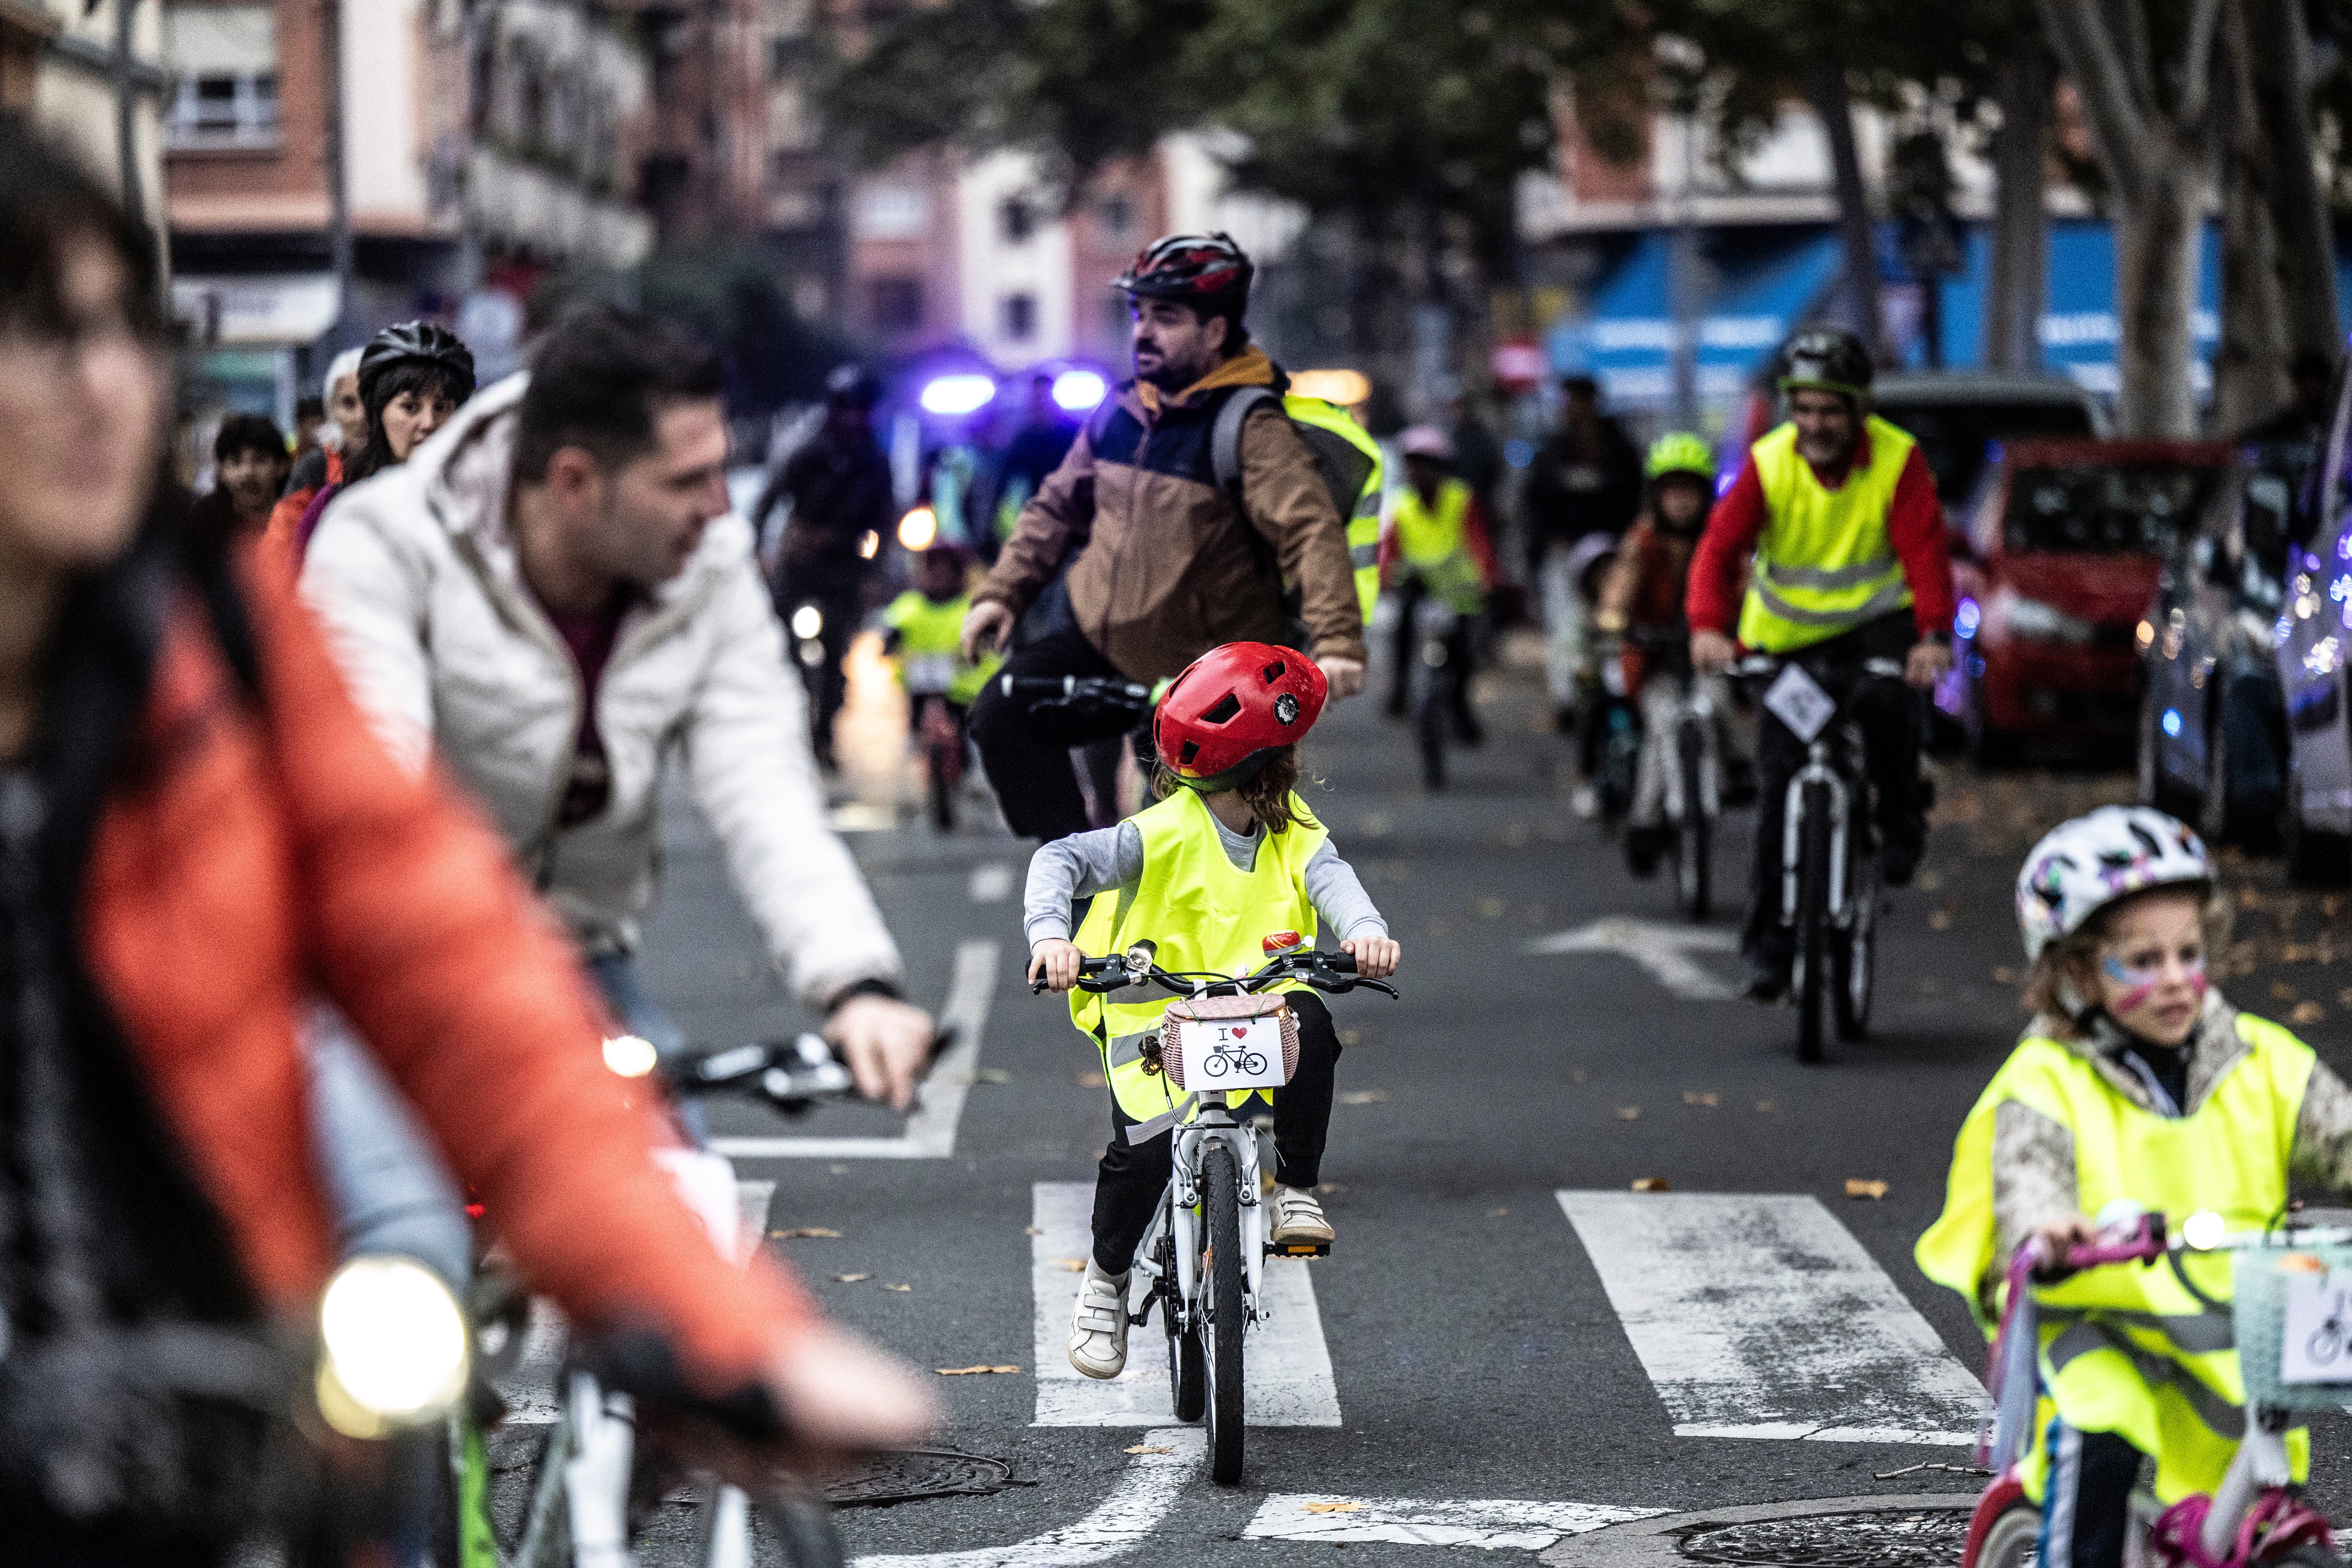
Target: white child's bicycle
{"type": "Point", "coordinates": [1203, 1258]}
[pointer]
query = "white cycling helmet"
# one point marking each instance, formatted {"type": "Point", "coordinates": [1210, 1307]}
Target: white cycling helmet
{"type": "Point", "coordinates": [2082, 866]}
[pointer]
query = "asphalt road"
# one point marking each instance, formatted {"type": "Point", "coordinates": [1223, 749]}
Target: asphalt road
{"type": "Point", "coordinates": [1483, 1347]}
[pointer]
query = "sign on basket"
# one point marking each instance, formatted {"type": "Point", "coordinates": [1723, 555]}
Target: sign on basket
{"type": "Point", "coordinates": [1798, 701]}
{"type": "Point", "coordinates": [2318, 1347]}
{"type": "Point", "coordinates": [1233, 1052]}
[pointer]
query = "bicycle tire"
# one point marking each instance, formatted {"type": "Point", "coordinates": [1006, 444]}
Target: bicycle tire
{"type": "Point", "coordinates": [803, 1524]}
{"type": "Point", "coordinates": [1855, 969]}
{"type": "Point", "coordinates": [2011, 1539]}
{"type": "Point", "coordinates": [1692, 892]}
{"type": "Point", "coordinates": [1188, 1377]}
{"type": "Point", "coordinates": [1222, 1271]}
{"type": "Point", "coordinates": [1815, 988]}
{"type": "Point", "coordinates": [942, 794]}
{"type": "Point", "coordinates": [546, 1539]}
{"type": "Point", "coordinates": [1428, 729]}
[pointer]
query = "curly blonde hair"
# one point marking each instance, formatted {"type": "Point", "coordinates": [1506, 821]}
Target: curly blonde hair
{"type": "Point", "coordinates": [1265, 792]}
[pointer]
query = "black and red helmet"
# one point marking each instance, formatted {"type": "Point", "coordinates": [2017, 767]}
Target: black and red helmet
{"type": "Point", "coordinates": [1233, 708]}
{"type": "Point", "coordinates": [1201, 268]}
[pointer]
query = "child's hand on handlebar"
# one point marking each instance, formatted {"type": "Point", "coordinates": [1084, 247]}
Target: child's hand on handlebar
{"type": "Point", "coordinates": [1055, 962]}
{"type": "Point", "coordinates": [2055, 1237]}
{"type": "Point", "coordinates": [1376, 956]}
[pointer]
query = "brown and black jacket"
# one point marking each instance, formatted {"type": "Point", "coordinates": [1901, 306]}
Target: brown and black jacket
{"type": "Point", "coordinates": [1163, 565]}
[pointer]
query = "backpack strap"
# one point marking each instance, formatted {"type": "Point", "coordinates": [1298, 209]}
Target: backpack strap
{"type": "Point", "coordinates": [1225, 436]}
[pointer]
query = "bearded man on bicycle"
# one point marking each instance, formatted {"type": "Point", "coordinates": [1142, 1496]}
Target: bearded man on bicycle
{"type": "Point", "coordinates": [553, 597]}
{"type": "Point", "coordinates": [1837, 512]}
{"type": "Point", "coordinates": [1133, 559]}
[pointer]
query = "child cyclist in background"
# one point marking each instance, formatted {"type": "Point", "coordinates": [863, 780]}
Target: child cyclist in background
{"type": "Point", "coordinates": [2137, 1086]}
{"type": "Point", "coordinates": [922, 632]}
{"type": "Point", "coordinates": [1228, 856]}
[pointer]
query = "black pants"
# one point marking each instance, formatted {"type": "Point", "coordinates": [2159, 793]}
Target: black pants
{"type": "Point", "coordinates": [1132, 1176]}
{"type": "Point", "coordinates": [1027, 755]}
{"type": "Point", "coordinates": [1890, 734]}
{"type": "Point", "coordinates": [2088, 1509]}
{"type": "Point", "coordinates": [840, 596]}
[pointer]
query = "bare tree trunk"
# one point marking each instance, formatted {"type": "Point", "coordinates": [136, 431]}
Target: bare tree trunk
{"type": "Point", "coordinates": [1833, 106]}
{"type": "Point", "coordinates": [2156, 290]}
{"type": "Point", "coordinates": [2017, 283]}
{"type": "Point", "coordinates": [2250, 362]}
{"type": "Point", "coordinates": [2279, 72]}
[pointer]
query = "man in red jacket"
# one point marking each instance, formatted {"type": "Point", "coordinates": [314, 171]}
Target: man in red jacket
{"type": "Point", "coordinates": [1837, 512]}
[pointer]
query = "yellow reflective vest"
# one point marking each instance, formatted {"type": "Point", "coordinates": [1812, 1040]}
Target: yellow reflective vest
{"type": "Point", "coordinates": [1206, 916]}
{"type": "Point", "coordinates": [2126, 1348]}
{"type": "Point", "coordinates": [1434, 542]}
{"type": "Point", "coordinates": [1824, 564]}
{"type": "Point", "coordinates": [1364, 518]}
{"type": "Point", "coordinates": [931, 651]}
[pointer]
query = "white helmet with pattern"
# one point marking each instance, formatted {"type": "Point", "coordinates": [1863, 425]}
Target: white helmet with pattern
{"type": "Point", "coordinates": [2082, 866]}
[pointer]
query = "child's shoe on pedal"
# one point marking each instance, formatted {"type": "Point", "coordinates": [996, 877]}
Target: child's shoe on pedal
{"type": "Point", "coordinates": [1098, 1326]}
{"type": "Point", "coordinates": [1298, 1219]}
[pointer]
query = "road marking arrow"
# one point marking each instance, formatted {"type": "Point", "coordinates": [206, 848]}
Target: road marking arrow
{"type": "Point", "coordinates": [1488, 1522]}
{"type": "Point", "coordinates": [1663, 949]}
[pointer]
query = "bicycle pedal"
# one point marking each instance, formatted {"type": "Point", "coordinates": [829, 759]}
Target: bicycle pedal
{"type": "Point", "coordinates": [1298, 1249]}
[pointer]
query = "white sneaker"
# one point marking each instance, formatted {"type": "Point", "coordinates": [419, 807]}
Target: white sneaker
{"type": "Point", "coordinates": [1099, 1327]}
{"type": "Point", "coordinates": [1298, 1219]}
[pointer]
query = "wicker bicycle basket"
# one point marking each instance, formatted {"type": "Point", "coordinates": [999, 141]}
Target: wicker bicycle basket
{"type": "Point", "coordinates": [1273, 1009]}
{"type": "Point", "coordinates": [2258, 1320]}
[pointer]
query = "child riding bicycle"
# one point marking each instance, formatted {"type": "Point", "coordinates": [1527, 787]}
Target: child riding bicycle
{"type": "Point", "coordinates": [2136, 1087]}
{"type": "Point", "coordinates": [922, 631]}
{"type": "Point", "coordinates": [1228, 855]}
{"type": "Point", "coordinates": [1641, 602]}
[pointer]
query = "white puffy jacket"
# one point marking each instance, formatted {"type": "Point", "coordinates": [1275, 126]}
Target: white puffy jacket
{"type": "Point", "coordinates": [447, 647]}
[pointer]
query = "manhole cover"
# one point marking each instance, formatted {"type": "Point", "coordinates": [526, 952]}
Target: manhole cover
{"type": "Point", "coordinates": [1927, 1539]}
{"type": "Point", "coordinates": [918, 1473]}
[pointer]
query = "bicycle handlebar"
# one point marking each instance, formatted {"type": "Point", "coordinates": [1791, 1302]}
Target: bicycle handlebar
{"type": "Point", "coordinates": [1074, 691]}
{"type": "Point", "coordinates": [2146, 1238]}
{"type": "Point", "coordinates": [1334, 973]}
{"type": "Point", "coordinates": [791, 1076]}
{"type": "Point", "coordinates": [1762, 664]}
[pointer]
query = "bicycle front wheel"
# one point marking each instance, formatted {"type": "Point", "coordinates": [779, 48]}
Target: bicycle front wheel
{"type": "Point", "coordinates": [1222, 1271]}
{"type": "Point", "coordinates": [1816, 983]}
{"type": "Point", "coordinates": [1857, 946]}
{"type": "Point", "coordinates": [1693, 835]}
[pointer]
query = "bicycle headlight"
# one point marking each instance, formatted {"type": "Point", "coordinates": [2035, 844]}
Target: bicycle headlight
{"type": "Point", "coordinates": [807, 621]}
{"type": "Point", "coordinates": [2204, 1230]}
{"type": "Point", "coordinates": [393, 1347]}
{"type": "Point", "coordinates": [630, 1056]}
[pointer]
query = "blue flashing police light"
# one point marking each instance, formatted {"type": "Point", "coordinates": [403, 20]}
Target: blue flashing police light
{"type": "Point", "coordinates": [956, 395]}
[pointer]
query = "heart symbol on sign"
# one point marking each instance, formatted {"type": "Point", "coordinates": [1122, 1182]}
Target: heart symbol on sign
{"type": "Point", "coordinates": [1239, 1029]}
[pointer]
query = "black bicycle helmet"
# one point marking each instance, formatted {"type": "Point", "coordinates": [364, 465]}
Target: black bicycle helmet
{"type": "Point", "coordinates": [852, 385]}
{"type": "Point", "coordinates": [1826, 359]}
{"type": "Point", "coordinates": [415, 343]}
{"type": "Point", "coordinates": [1195, 267]}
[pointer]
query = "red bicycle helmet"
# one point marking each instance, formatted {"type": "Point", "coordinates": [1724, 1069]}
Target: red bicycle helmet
{"type": "Point", "coordinates": [1232, 709]}
{"type": "Point", "coordinates": [1192, 267]}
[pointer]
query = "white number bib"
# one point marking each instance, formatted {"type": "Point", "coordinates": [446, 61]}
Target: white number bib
{"type": "Point", "coordinates": [1798, 701]}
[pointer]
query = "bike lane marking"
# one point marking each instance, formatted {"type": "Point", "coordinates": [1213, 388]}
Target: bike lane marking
{"type": "Point", "coordinates": [931, 1132]}
{"type": "Point", "coordinates": [1287, 1376]}
{"type": "Point", "coordinates": [990, 883]}
{"type": "Point", "coordinates": [1487, 1522]}
{"type": "Point", "coordinates": [1661, 949]}
{"type": "Point", "coordinates": [1759, 1315]}
{"type": "Point", "coordinates": [1144, 1493]}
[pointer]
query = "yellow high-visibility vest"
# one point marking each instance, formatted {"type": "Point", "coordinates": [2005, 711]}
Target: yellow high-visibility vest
{"type": "Point", "coordinates": [1435, 543]}
{"type": "Point", "coordinates": [1205, 916]}
{"type": "Point", "coordinates": [1364, 515]}
{"type": "Point", "coordinates": [1824, 564]}
{"type": "Point", "coordinates": [2127, 1349]}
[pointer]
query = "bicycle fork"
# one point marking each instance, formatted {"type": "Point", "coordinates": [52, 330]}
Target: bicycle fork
{"type": "Point", "coordinates": [1816, 771]}
{"type": "Point", "coordinates": [1182, 1216]}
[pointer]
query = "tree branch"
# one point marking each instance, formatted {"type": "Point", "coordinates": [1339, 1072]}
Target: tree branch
{"type": "Point", "coordinates": [2078, 34]}
{"type": "Point", "coordinates": [2197, 53]}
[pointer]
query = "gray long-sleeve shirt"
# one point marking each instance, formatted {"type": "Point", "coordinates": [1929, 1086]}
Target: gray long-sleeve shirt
{"type": "Point", "coordinates": [1086, 864]}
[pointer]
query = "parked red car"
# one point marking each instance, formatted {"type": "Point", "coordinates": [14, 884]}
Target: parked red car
{"type": "Point", "coordinates": [2056, 566]}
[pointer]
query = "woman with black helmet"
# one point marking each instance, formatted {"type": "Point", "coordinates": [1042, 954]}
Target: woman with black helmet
{"type": "Point", "coordinates": [413, 376]}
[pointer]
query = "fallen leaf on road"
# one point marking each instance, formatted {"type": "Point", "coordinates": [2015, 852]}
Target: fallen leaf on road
{"type": "Point", "coordinates": [2306, 1013]}
{"type": "Point", "coordinates": [1496, 1214]}
{"type": "Point", "coordinates": [1334, 1507]}
{"type": "Point", "coordinates": [1940, 919]}
{"type": "Point", "coordinates": [1576, 1075]}
{"type": "Point", "coordinates": [902, 1289]}
{"type": "Point", "coordinates": [2005, 975]}
{"type": "Point", "coordinates": [1071, 1264]}
{"type": "Point", "coordinates": [1487, 908]}
{"type": "Point", "coordinates": [837, 1170]}
{"type": "Point", "coordinates": [991, 1075]}
{"type": "Point", "coordinates": [1930, 882]}
{"type": "Point", "coordinates": [1087, 1080]}
{"type": "Point", "coordinates": [2281, 991]}
{"type": "Point", "coordinates": [1653, 1184]}
{"type": "Point", "coordinates": [1346, 1037]}
{"type": "Point", "coordinates": [1630, 1113]}
{"type": "Point", "coordinates": [2344, 997]}
{"type": "Point", "coordinates": [1364, 1096]}
{"type": "Point", "coordinates": [1032, 1231]}
{"type": "Point", "coordinates": [971, 1371]}
{"type": "Point", "coordinates": [802, 1230]}
{"type": "Point", "coordinates": [1766, 1106]}
{"type": "Point", "coordinates": [1699, 1097]}
{"type": "Point", "coordinates": [852, 1279]}
{"type": "Point", "coordinates": [1856, 1187]}
{"type": "Point", "coordinates": [1146, 1449]}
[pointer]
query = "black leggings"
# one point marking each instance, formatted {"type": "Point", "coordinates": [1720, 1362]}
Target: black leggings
{"type": "Point", "coordinates": [1132, 1176]}
{"type": "Point", "coordinates": [2088, 1507]}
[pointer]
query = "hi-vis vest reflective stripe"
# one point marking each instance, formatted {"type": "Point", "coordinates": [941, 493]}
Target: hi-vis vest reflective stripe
{"type": "Point", "coordinates": [1364, 519]}
{"type": "Point", "coordinates": [2128, 1349]}
{"type": "Point", "coordinates": [1205, 915]}
{"type": "Point", "coordinates": [935, 631]}
{"type": "Point", "coordinates": [1435, 543]}
{"type": "Point", "coordinates": [1824, 564]}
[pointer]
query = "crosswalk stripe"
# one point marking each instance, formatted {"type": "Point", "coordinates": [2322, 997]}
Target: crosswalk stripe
{"type": "Point", "coordinates": [931, 1132]}
{"type": "Point", "coordinates": [1488, 1522]}
{"type": "Point", "coordinates": [1759, 1315]}
{"type": "Point", "coordinates": [990, 883]}
{"type": "Point", "coordinates": [1288, 1368]}
{"type": "Point", "coordinates": [1141, 1497]}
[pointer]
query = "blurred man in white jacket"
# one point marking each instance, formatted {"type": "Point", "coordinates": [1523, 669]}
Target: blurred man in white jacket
{"type": "Point", "coordinates": [552, 595]}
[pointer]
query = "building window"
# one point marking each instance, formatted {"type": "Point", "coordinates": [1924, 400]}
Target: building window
{"type": "Point", "coordinates": [896, 304]}
{"type": "Point", "coordinates": [1117, 215]}
{"type": "Point", "coordinates": [1020, 317]}
{"type": "Point", "coordinates": [1018, 219]}
{"type": "Point", "coordinates": [224, 60]}
{"type": "Point", "coordinates": [892, 212]}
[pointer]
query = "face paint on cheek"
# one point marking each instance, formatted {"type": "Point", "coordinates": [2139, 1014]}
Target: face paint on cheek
{"type": "Point", "coordinates": [2141, 983]}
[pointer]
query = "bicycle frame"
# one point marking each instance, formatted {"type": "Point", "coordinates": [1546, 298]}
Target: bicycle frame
{"type": "Point", "coordinates": [1695, 714]}
{"type": "Point", "coordinates": [1820, 768]}
{"type": "Point", "coordinates": [1180, 1216]}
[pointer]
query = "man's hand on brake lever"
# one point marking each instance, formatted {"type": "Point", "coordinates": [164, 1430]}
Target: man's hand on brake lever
{"type": "Point", "coordinates": [1711, 653]}
{"type": "Point", "coordinates": [887, 1044]}
{"type": "Point", "coordinates": [1927, 663]}
{"type": "Point", "coordinates": [839, 1394]}
{"type": "Point", "coordinates": [1055, 962]}
{"type": "Point", "coordinates": [1376, 956]}
{"type": "Point", "coordinates": [986, 627]}
{"type": "Point", "coordinates": [1345, 676]}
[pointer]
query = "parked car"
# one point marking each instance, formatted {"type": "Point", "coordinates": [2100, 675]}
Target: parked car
{"type": "Point", "coordinates": [2213, 722]}
{"type": "Point", "coordinates": [2055, 570]}
{"type": "Point", "coordinates": [2313, 626]}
